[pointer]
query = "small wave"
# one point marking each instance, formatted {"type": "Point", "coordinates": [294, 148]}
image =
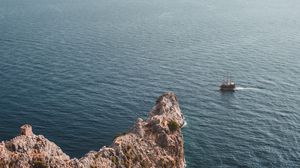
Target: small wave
{"type": "Point", "coordinates": [184, 124]}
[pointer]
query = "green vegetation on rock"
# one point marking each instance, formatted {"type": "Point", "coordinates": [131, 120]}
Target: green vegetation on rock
{"type": "Point", "coordinates": [173, 126]}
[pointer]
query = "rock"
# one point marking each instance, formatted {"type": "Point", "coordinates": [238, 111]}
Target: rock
{"type": "Point", "coordinates": [138, 128]}
{"type": "Point", "coordinates": [26, 130]}
{"type": "Point", "coordinates": [150, 143]}
{"type": "Point", "coordinates": [162, 140]}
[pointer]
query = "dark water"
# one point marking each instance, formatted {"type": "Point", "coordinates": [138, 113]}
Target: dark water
{"type": "Point", "coordinates": [82, 71]}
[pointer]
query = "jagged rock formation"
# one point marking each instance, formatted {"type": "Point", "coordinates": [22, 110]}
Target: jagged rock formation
{"type": "Point", "coordinates": [154, 142]}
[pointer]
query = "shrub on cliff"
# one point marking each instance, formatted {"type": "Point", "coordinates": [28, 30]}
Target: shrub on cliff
{"type": "Point", "coordinates": [39, 164]}
{"type": "Point", "coordinates": [173, 126]}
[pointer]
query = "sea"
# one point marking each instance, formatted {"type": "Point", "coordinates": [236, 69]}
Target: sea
{"type": "Point", "coordinates": [81, 72]}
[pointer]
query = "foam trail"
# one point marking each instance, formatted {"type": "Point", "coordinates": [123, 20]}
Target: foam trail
{"type": "Point", "coordinates": [246, 88]}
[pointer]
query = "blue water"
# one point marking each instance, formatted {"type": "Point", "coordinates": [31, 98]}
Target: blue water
{"type": "Point", "coordinates": [82, 71]}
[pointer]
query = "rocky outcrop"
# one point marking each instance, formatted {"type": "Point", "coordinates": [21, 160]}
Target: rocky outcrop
{"type": "Point", "coordinates": [154, 142]}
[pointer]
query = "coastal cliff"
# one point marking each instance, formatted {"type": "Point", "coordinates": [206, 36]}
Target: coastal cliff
{"type": "Point", "coordinates": [154, 142]}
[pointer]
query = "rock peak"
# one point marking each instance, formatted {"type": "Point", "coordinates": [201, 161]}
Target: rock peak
{"type": "Point", "coordinates": [154, 142]}
{"type": "Point", "coordinates": [26, 130]}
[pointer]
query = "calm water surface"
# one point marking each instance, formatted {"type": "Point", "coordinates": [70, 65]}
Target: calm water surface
{"type": "Point", "coordinates": [82, 71]}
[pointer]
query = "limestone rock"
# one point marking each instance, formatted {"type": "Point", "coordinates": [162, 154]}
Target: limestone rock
{"type": "Point", "coordinates": [153, 142]}
{"type": "Point", "coordinates": [26, 130]}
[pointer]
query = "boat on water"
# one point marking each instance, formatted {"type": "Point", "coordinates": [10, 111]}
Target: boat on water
{"type": "Point", "coordinates": [227, 85]}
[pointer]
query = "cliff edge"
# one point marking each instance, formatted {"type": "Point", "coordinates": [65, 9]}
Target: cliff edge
{"type": "Point", "coordinates": [154, 142]}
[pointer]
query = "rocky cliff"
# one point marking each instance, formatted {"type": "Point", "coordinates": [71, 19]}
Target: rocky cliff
{"type": "Point", "coordinates": [154, 142]}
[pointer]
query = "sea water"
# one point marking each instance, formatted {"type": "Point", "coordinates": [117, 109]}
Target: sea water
{"type": "Point", "coordinates": [81, 72]}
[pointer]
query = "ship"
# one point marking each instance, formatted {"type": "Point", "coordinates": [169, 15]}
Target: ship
{"type": "Point", "coordinates": [227, 85]}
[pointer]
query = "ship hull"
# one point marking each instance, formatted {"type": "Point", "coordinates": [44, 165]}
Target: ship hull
{"type": "Point", "coordinates": [227, 88]}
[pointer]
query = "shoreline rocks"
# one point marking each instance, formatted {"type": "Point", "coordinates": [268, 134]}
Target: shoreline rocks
{"type": "Point", "coordinates": [154, 142]}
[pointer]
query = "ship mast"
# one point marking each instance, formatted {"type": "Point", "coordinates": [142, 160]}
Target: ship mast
{"type": "Point", "coordinates": [227, 78]}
